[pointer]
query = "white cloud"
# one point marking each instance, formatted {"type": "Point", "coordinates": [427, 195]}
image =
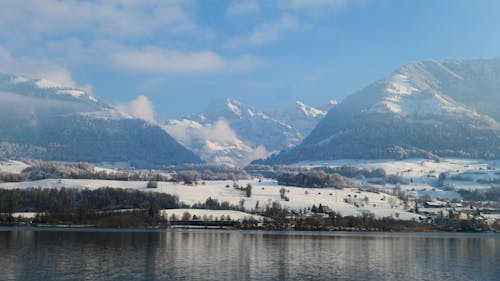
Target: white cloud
{"type": "Point", "coordinates": [111, 18]}
{"type": "Point", "coordinates": [216, 142]}
{"type": "Point", "coordinates": [243, 7]}
{"type": "Point", "coordinates": [157, 60]}
{"type": "Point", "coordinates": [35, 68]}
{"type": "Point", "coordinates": [193, 134]}
{"type": "Point", "coordinates": [267, 32]}
{"type": "Point", "coordinates": [141, 108]}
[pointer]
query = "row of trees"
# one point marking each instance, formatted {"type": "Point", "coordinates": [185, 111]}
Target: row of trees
{"type": "Point", "coordinates": [487, 194]}
{"type": "Point", "coordinates": [314, 179]}
{"type": "Point", "coordinates": [190, 174]}
{"type": "Point", "coordinates": [51, 200]}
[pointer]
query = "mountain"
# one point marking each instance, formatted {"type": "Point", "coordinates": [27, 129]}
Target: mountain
{"type": "Point", "coordinates": [424, 109]}
{"type": "Point", "coordinates": [231, 132]}
{"type": "Point", "coordinates": [301, 116]}
{"type": "Point", "coordinates": [41, 119]}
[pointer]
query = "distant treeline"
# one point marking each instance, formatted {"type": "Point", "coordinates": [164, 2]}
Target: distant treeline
{"type": "Point", "coordinates": [192, 173]}
{"type": "Point", "coordinates": [213, 171]}
{"type": "Point", "coordinates": [72, 200]}
{"type": "Point", "coordinates": [486, 194]}
{"type": "Point", "coordinates": [370, 223]}
{"type": "Point", "coordinates": [214, 204]}
{"type": "Point", "coordinates": [315, 179]}
{"type": "Point", "coordinates": [297, 176]}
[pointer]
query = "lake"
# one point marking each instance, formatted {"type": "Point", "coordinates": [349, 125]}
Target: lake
{"type": "Point", "coordinates": [93, 254]}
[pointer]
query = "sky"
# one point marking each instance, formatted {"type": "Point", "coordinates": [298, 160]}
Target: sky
{"type": "Point", "coordinates": [171, 58]}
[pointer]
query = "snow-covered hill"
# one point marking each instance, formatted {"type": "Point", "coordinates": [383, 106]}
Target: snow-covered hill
{"type": "Point", "coordinates": [424, 109]}
{"type": "Point", "coordinates": [231, 132]}
{"type": "Point", "coordinates": [343, 201]}
{"type": "Point", "coordinates": [44, 120]}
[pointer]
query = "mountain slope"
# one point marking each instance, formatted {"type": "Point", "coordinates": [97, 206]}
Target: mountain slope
{"type": "Point", "coordinates": [40, 119]}
{"type": "Point", "coordinates": [301, 116]}
{"type": "Point", "coordinates": [231, 132]}
{"type": "Point", "coordinates": [424, 109]}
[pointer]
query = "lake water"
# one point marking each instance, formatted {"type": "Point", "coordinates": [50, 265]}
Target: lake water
{"type": "Point", "coordinates": [58, 254]}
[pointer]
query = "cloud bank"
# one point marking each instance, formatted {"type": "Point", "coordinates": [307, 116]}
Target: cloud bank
{"type": "Point", "coordinates": [140, 107]}
{"type": "Point", "coordinates": [157, 60]}
{"type": "Point", "coordinates": [216, 142]}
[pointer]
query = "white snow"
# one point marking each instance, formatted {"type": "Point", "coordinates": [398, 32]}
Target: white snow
{"type": "Point", "coordinates": [71, 92]}
{"type": "Point", "coordinates": [234, 107]}
{"type": "Point", "coordinates": [47, 84]}
{"type": "Point", "coordinates": [12, 166]}
{"type": "Point", "coordinates": [236, 133]}
{"type": "Point", "coordinates": [412, 91]}
{"type": "Point", "coordinates": [107, 114]}
{"type": "Point", "coordinates": [266, 192]}
{"type": "Point", "coordinates": [58, 88]}
{"type": "Point", "coordinates": [424, 173]}
{"type": "Point", "coordinates": [310, 111]}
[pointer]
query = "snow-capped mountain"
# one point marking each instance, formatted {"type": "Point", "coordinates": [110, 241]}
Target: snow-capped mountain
{"type": "Point", "coordinates": [302, 116]}
{"type": "Point", "coordinates": [42, 88]}
{"type": "Point", "coordinates": [44, 120]}
{"type": "Point", "coordinates": [429, 108]}
{"type": "Point", "coordinates": [231, 132]}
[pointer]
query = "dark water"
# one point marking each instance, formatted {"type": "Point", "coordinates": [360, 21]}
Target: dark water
{"type": "Point", "coordinates": [30, 254]}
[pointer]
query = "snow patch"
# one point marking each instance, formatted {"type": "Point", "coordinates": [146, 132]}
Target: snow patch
{"type": "Point", "coordinates": [47, 84]}
{"type": "Point", "coordinates": [12, 166]}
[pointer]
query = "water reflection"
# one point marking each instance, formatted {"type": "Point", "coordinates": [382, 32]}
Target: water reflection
{"type": "Point", "coordinates": [213, 255]}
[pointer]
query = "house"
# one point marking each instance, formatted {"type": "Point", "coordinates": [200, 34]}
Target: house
{"type": "Point", "coordinates": [435, 204]}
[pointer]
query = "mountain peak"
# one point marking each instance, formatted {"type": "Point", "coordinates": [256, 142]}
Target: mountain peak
{"type": "Point", "coordinates": [423, 109]}
{"type": "Point", "coordinates": [309, 110]}
{"type": "Point", "coordinates": [41, 119]}
{"type": "Point", "coordinates": [41, 87]}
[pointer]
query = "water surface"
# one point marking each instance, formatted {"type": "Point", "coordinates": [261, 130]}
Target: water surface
{"type": "Point", "coordinates": [90, 254]}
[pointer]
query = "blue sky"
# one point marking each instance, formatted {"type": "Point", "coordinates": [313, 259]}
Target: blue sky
{"type": "Point", "coordinates": [183, 54]}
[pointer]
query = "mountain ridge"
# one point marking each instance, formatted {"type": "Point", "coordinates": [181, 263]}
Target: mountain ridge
{"type": "Point", "coordinates": [44, 120]}
{"type": "Point", "coordinates": [231, 132]}
{"type": "Point", "coordinates": [423, 109]}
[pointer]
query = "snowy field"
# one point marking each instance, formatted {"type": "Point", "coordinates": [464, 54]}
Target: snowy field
{"type": "Point", "coordinates": [265, 193]}
{"type": "Point", "coordinates": [12, 166]}
{"type": "Point", "coordinates": [423, 174]}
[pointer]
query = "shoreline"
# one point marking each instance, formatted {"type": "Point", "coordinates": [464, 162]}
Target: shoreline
{"type": "Point", "coordinates": [181, 228]}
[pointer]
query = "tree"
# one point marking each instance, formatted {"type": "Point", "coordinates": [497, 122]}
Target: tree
{"type": "Point", "coordinates": [153, 211]}
{"type": "Point", "coordinates": [186, 216]}
{"type": "Point", "coordinates": [188, 177]}
{"type": "Point", "coordinates": [248, 190]}
{"type": "Point", "coordinates": [9, 201]}
{"type": "Point", "coordinates": [282, 193]}
{"type": "Point", "coordinates": [152, 184]}
{"type": "Point", "coordinates": [441, 179]}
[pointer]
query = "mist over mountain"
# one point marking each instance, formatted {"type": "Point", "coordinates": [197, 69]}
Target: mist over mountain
{"type": "Point", "coordinates": [424, 109]}
{"type": "Point", "coordinates": [231, 132]}
{"type": "Point", "coordinates": [41, 119]}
